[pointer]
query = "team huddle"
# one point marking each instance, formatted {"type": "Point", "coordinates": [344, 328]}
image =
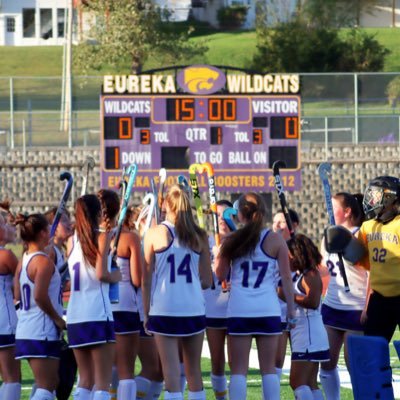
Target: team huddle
{"type": "Point", "coordinates": [150, 288]}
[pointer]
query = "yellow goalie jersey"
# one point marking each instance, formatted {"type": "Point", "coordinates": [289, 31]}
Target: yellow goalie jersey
{"type": "Point", "coordinates": [383, 243]}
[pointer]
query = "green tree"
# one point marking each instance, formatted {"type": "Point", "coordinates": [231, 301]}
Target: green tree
{"type": "Point", "coordinates": [296, 46]}
{"type": "Point", "coordinates": [134, 30]}
{"type": "Point", "coordinates": [362, 52]}
{"type": "Point", "coordinates": [393, 91]}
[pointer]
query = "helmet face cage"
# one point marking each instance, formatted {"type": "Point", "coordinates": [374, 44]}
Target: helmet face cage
{"type": "Point", "coordinates": [373, 201]}
{"type": "Point", "coordinates": [378, 200]}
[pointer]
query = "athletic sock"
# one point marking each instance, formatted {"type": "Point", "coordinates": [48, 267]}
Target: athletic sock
{"type": "Point", "coordinates": [82, 394]}
{"type": "Point", "coordinates": [330, 382]}
{"type": "Point", "coordinates": [101, 395]}
{"type": "Point", "coordinates": [219, 386]}
{"type": "Point", "coordinates": [279, 372]}
{"type": "Point", "coordinates": [303, 392]}
{"type": "Point", "coordinates": [114, 383]}
{"type": "Point", "coordinates": [93, 392]}
{"type": "Point", "coordinates": [201, 395]}
{"type": "Point", "coordinates": [11, 391]}
{"type": "Point", "coordinates": [317, 394]}
{"type": "Point", "coordinates": [42, 394]}
{"type": "Point", "coordinates": [126, 389]}
{"type": "Point", "coordinates": [154, 390]}
{"type": "Point", "coordinates": [183, 377]}
{"type": "Point", "coordinates": [173, 395]}
{"type": "Point", "coordinates": [142, 387]}
{"type": "Point", "coordinates": [271, 387]}
{"type": "Point", "coordinates": [237, 387]}
{"type": "Point", "coordinates": [34, 387]}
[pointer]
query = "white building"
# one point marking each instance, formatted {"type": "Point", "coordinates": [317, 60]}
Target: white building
{"type": "Point", "coordinates": [280, 11]}
{"type": "Point", "coordinates": [42, 22]}
{"type": "Point", "coordinates": [385, 13]}
{"type": "Point", "coordinates": [32, 22]}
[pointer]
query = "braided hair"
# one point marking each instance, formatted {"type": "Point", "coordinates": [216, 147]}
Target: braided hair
{"type": "Point", "coordinates": [110, 204]}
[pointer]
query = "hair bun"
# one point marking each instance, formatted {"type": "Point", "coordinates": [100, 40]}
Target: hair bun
{"type": "Point", "coordinates": [20, 219]}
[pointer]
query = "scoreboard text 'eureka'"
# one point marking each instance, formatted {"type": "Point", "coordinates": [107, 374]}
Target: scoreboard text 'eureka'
{"type": "Point", "coordinates": [239, 122]}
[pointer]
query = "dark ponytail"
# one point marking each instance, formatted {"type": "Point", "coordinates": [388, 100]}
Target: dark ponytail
{"type": "Point", "coordinates": [244, 240]}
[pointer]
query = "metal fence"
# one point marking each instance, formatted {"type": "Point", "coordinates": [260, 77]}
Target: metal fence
{"type": "Point", "coordinates": [349, 108]}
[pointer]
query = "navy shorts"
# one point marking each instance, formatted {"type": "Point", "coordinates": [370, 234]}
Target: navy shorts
{"type": "Point", "coordinates": [217, 323]}
{"type": "Point", "coordinates": [143, 334]}
{"type": "Point", "coordinates": [90, 333]}
{"type": "Point", "coordinates": [254, 326]}
{"type": "Point", "coordinates": [176, 326]}
{"type": "Point", "coordinates": [7, 341]}
{"type": "Point", "coordinates": [126, 322]}
{"type": "Point", "coordinates": [344, 320]}
{"type": "Point", "coordinates": [315, 356]}
{"type": "Point", "coordinates": [26, 348]}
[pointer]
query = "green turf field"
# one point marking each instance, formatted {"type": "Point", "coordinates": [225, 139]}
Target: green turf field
{"type": "Point", "coordinates": [253, 384]}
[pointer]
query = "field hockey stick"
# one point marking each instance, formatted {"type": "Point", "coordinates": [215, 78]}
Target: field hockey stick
{"type": "Point", "coordinates": [323, 170]}
{"type": "Point", "coordinates": [227, 217]}
{"type": "Point", "coordinates": [209, 169]}
{"type": "Point", "coordinates": [150, 201]}
{"type": "Point", "coordinates": [154, 191]}
{"type": "Point", "coordinates": [87, 167]}
{"type": "Point", "coordinates": [126, 189]}
{"type": "Point", "coordinates": [281, 194]}
{"type": "Point", "coordinates": [183, 182]}
{"type": "Point", "coordinates": [196, 193]}
{"type": "Point", "coordinates": [160, 196]}
{"type": "Point", "coordinates": [63, 202]}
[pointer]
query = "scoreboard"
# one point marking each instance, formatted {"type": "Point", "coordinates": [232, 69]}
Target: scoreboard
{"type": "Point", "coordinates": [237, 122]}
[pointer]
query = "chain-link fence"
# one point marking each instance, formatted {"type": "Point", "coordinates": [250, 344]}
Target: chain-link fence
{"type": "Point", "coordinates": [349, 108]}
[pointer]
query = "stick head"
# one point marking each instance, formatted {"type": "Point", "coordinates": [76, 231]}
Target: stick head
{"type": "Point", "coordinates": [227, 217]}
{"type": "Point", "coordinates": [324, 170]}
{"type": "Point", "coordinates": [89, 162]}
{"type": "Point", "coordinates": [149, 199]}
{"type": "Point", "coordinates": [65, 176]}
{"type": "Point", "coordinates": [207, 167]}
{"type": "Point", "coordinates": [277, 165]}
{"type": "Point", "coordinates": [193, 168]}
{"type": "Point", "coordinates": [132, 169]}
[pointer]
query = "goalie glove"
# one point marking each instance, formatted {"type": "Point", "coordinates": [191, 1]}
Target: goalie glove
{"type": "Point", "coordinates": [340, 240]}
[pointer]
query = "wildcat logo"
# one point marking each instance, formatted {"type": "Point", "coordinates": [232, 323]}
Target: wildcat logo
{"type": "Point", "coordinates": [201, 79]}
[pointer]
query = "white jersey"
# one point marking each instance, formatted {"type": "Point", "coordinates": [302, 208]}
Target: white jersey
{"type": "Point", "coordinates": [127, 293]}
{"type": "Point", "coordinates": [8, 315]}
{"type": "Point", "coordinates": [309, 335]}
{"type": "Point", "coordinates": [89, 300]}
{"type": "Point", "coordinates": [336, 297]}
{"type": "Point", "coordinates": [216, 300]}
{"type": "Point", "coordinates": [302, 312]}
{"type": "Point", "coordinates": [253, 290]}
{"type": "Point", "coordinates": [282, 303]}
{"type": "Point", "coordinates": [177, 290]}
{"type": "Point", "coordinates": [33, 323]}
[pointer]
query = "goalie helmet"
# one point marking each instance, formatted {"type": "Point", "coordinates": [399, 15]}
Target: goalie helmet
{"type": "Point", "coordinates": [379, 198]}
